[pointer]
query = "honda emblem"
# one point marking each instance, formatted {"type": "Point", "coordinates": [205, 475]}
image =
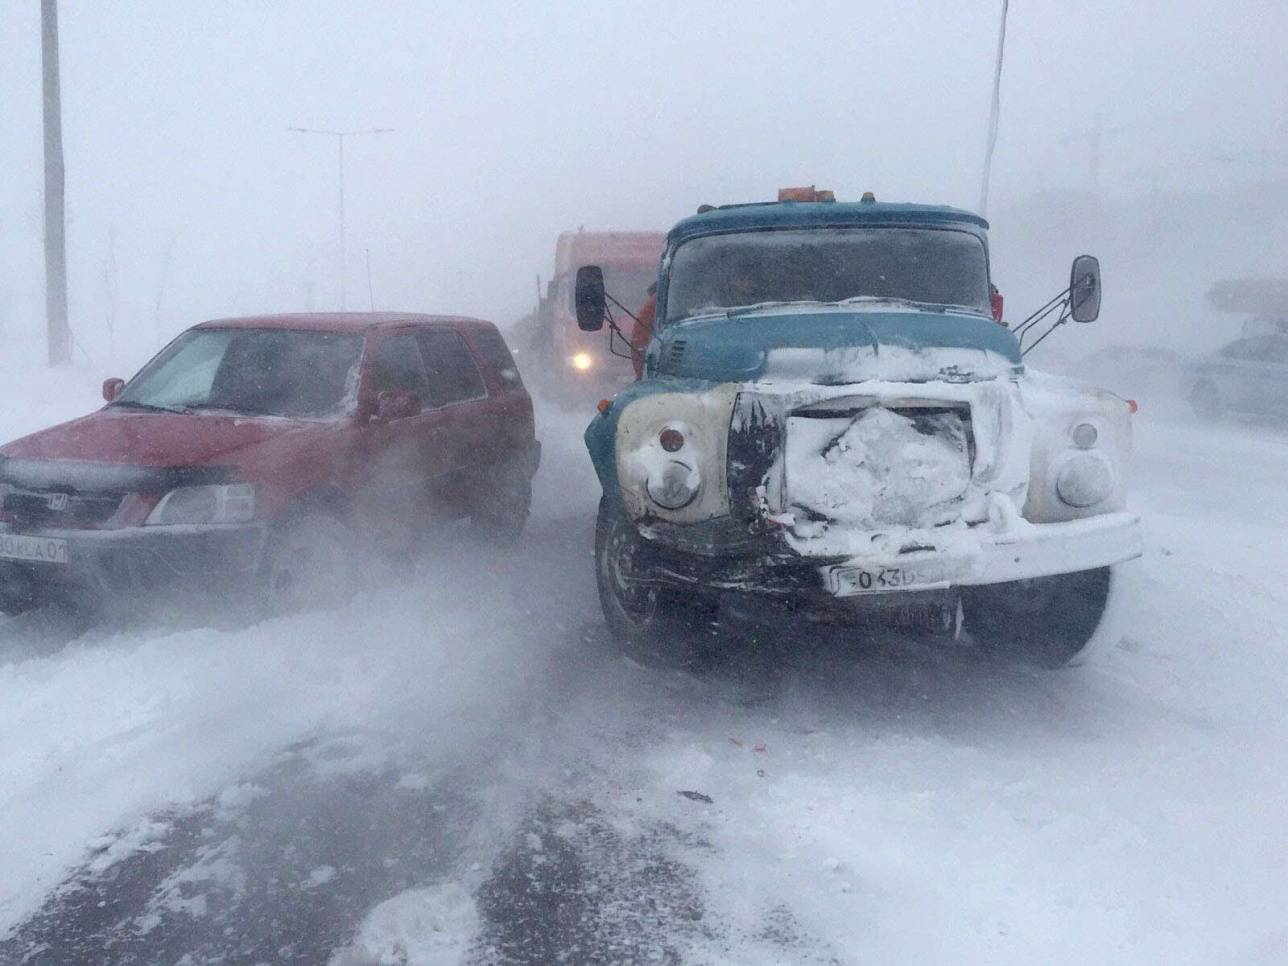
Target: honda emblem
{"type": "Point", "coordinates": [58, 502]}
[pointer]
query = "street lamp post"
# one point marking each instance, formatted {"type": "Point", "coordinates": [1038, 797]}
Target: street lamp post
{"type": "Point", "coordinates": [339, 138]}
{"type": "Point", "coordinates": [994, 112]}
{"type": "Point", "coordinates": [58, 332]}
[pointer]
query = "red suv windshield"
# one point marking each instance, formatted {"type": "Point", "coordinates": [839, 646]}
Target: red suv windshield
{"type": "Point", "coordinates": [254, 372]}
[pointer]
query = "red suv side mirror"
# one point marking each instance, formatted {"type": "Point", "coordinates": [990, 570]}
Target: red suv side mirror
{"type": "Point", "coordinates": [394, 404]}
{"type": "Point", "coordinates": [112, 388]}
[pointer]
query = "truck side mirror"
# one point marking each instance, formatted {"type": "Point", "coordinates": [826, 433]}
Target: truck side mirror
{"type": "Point", "coordinates": [112, 388]}
{"type": "Point", "coordinates": [591, 305]}
{"type": "Point", "coordinates": [1084, 289]}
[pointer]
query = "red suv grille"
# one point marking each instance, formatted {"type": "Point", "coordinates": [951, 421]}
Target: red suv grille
{"type": "Point", "coordinates": [59, 509]}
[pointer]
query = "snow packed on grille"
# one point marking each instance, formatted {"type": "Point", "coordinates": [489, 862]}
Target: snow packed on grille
{"type": "Point", "coordinates": [879, 467]}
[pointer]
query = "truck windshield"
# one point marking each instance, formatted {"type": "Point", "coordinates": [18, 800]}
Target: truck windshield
{"type": "Point", "coordinates": [929, 265]}
{"type": "Point", "coordinates": [255, 372]}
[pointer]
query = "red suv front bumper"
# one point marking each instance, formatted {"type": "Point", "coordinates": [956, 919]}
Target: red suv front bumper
{"type": "Point", "coordinates": [108, 567]}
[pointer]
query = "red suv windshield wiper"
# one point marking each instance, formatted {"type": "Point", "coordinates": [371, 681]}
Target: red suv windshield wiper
{"type": "Point", "coordinates": [142, 406]}
{"type": "Point", "coordinates": [208, 407]}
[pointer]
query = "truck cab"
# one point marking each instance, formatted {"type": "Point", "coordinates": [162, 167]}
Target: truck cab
{"type": "Point", "coordinates": [576, 367]}
{"type": "Point", "coordinates": [834, 425]}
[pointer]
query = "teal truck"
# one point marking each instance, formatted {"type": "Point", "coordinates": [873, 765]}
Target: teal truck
{"type": "Point", "coordinates": [834, 424]}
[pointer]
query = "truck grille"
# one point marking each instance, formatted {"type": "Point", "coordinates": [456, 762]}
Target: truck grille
{"type": "Point", "coordinates": [755, 442]}
{"type": "Point", "coordinates": [60, 509]}
{"type": "Point", "coordinates": [674, 358]}
{"type": "Point", "coordinates": [873, 466]}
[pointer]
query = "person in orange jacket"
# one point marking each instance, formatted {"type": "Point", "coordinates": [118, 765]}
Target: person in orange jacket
{"type": "Point", "coordinates": [642, 330]}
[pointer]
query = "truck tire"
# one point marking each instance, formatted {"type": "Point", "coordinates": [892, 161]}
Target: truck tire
{"type": "Point", "coordinates": [1046, 621]}
{"type": "Point", "coordinates": [307, 565]}
{"type": "Point", "coordinates": [655, 626]}
{"type": "Point", "coordinates": [502, 510]}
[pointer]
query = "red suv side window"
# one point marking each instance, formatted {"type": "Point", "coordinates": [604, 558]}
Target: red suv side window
{"type": "Point", "coordinates": [397, 365]}
{"type": "Point", "coordinates": [453, 374]}
{"type": "Point", "coordinates": [491, 346]}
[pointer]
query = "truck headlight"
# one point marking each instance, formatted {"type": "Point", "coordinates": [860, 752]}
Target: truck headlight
{"type": "Point", "coordinates": [1084, 480]}
{"type": "Point", "coordinates": [673, 485]}
{"type": "Point", "coordinates": [671, 454]}
{"type": "Point", "coordinates": [582, 361]}
{"type": "Point", "coordinates": [228, 503]}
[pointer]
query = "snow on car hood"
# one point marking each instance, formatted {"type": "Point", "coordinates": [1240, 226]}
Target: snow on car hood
{"type": "Point", "coordinates": [114, 435]}
{"type": "Point", "coordinates": [834, 345]}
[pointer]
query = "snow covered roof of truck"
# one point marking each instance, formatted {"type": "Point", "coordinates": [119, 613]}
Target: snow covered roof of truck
{"type": "Point", "coordinates": [804, 214]}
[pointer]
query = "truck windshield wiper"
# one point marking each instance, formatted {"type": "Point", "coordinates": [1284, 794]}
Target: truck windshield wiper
{"type": "Point", "coordinates": [892, 300]}
{"type": "Point", "coordinates": [896, 300]}
{"type": "Point", "coordinates": [748, 309]}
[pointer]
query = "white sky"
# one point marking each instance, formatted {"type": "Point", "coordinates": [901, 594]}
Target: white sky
{"type": "Point", "coordinates": [513, 122]}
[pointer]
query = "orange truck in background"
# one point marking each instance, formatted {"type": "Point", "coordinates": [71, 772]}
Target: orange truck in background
{"type": "Point", "coordinates": [575, 366]}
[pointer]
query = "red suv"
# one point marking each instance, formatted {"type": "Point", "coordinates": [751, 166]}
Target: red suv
{"type": "Point", "coordinates": [266, 453]}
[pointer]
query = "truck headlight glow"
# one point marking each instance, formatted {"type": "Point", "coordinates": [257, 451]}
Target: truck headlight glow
{"type": "Point", "coordinates": [581, 361]}
{"type": "Point", "coordinates": [228, 503]}
{"type": "Point", "coordinates": [674, 485]}
{"type": "Point", "coordinates": [1084, 480]}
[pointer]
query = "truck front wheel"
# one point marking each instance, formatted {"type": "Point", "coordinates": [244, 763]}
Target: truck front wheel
{"type": "Point", "coordinates": [1046, 621]}
{"type": "Point", "coordinates": [655, 626]}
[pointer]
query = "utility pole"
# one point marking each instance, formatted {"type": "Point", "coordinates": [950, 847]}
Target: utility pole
{"type": "Point", "coordinates": [993, 113]}
{"type": "Point", "coordinates": [339, 138]}
{"type": "Point", "coordinates": [58, 334]}
{"type": "Point", "coordinates": [1095, 137]}
{"type": "Point", "coordinates": [371, 292]}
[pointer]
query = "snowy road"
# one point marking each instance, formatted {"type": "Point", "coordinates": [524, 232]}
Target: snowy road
{"type": "Point", "coordinates": [457, 768]}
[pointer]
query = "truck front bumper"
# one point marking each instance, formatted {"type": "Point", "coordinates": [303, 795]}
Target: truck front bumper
{"type": "Point", "coordinates": [100, 567]}
{"type": "Point", "coordinates": [1025, 553]}
{"type": "Point", "coordinates": [966, 558]}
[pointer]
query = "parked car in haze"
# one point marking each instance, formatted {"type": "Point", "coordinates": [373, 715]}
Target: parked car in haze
{"type": "Point", "coordinates": [265, 454]}
{"type": "Point", "coordinates": [1249, 375]}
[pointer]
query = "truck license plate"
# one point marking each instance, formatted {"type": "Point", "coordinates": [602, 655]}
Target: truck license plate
{"type": "Point", "coordinates": [16, 546]}
{"type": "Point", "coordinates": [848, 581]}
